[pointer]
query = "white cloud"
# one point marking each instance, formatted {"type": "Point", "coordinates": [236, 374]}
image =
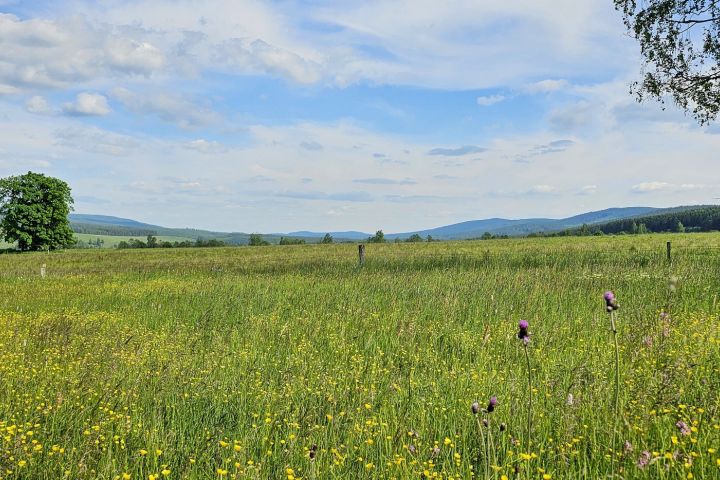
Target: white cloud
{"type": "Point", "coordinates": [656, 186]}
{"type": "Point", "coordinates": [38, 105]}
{"type": "Point", "coordinates": [8, 89]}
{"type": "Point", "coordinates": [408, 42]}
{"type": "Point", "coordinates": [546, 86]}
{"type": "Point", "coordinates": [576, 116]}
{"type": "Point", "coordinates": [70, 51]}
{"type": "Point", "coordinates": [204, 146]}
{"type": "Point", "coordinates": [88, 104]}
{"type": "Point", "coordinates": [488, 100]}
{"type": "Point", "coordinates": [168, 107]}
{"type": "Point", "coordinates": [96, 140]}
{"type": "Point", "coordinates": [134, 56]}
{"type": "Point", "coordinates": [543, 189]}
{"type": "Point", "coordinates": [260, 57]}
{"type": "Point", "coordinates": [588, 190]}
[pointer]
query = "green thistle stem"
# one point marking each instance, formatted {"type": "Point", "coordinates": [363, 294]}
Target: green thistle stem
{"type": "Point", "coordinates": [484, 447]}
{"type": "Point", "coordinates": [529, 415]}
{"type": "Point", "coordinates": [616, 411]}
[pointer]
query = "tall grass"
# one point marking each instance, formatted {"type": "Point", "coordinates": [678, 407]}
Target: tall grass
{"type": "Point", "coordinates": [234, 363]}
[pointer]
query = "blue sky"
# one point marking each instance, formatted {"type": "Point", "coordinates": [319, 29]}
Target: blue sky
{"type": "Point", "coordinates": [287, 115]}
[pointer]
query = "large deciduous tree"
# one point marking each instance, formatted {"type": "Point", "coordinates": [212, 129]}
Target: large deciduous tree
{"type": "Point", "coordinates": [680, 44]}
{"type": "Point", "coordinates": [34, 210]}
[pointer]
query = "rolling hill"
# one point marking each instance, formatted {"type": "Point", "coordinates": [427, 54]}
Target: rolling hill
{"type": "Point", "coordinates": [115, 226]}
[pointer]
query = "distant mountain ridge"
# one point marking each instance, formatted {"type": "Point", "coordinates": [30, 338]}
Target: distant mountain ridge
{"type": "Point", "coordinates": [109, 225]}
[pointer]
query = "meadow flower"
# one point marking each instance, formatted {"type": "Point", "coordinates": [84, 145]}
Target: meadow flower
{"type": "Point", "coordinates": [475, 407]}
{"type": "Point", "coordinates": [492, 403]}
{"type": "Point", "coordinates": [523, 325]}
{"type": "Point", "coordinates": [503, 427]}
{"type": "Point", "coordinates": [683, 427]}
{"type": "Point", "coordinates": [644, 459]}
{"type": "Point", "coordinates": [627, 446]}
{"type": "Point", "coordinates": [610, 301]}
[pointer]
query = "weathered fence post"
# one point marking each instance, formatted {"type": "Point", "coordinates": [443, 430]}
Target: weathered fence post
{"type": "Point", "coordinates": [42, 271]}
{"type": "Point", "coordinates": [361, 254]}
{"type": "Point", "coordinates": [669, 257]}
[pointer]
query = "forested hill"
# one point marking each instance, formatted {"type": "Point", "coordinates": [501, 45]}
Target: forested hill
{"type": "Point", "coordinates": [703, 218]}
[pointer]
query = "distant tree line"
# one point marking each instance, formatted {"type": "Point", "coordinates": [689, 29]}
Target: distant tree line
{"type": "Point", "coordinates": [379, 237]}
{"type": "Point", "coordinates": [112, 230]}
{"type": "Point", "coordinates": [705, 219]}
{"type": "Point", "coordinates": [91, 243]}
{"type": "Point", "coordinates": [490, 236]}
{"type": "Point", "coordinates": [153, 242]}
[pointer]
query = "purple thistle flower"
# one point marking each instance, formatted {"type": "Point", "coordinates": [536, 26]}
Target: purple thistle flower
{"type": "Point", "coordinates": [610, 301]}
{"type": "Point", "coordinates": [492, 403]}
{"type": "Point", "coordinates": [475, 407]}
{"type": "Point", "coordinates": [627, 447]}
{"type": "Point", "coordinates": [523, 325]}
{"type": "Point", "coordinates": [683, 427]}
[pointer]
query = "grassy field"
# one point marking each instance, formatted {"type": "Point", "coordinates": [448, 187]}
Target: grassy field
{"type": "Point", "coordinates": [290, 362]}
{"type": "Point", "coordinates": [111, 241]}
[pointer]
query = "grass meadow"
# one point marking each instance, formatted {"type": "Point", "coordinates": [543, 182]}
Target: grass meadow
{"type": "Point", "coordinates": [112, 241]}
{"type": "Point", "coordinates": [292, 362]}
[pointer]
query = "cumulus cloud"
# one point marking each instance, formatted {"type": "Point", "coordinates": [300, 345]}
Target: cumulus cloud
{"type": "Point", "coordinates": [87, 104]}
{"type": "Point", "coordinates": [385, 181]}
{"type": "Point", "coordinates": [204, 146]}
{"type": "Point", "coordinates": [66, 52]}
{"type": "Point", "coordinates": [95, 140]}
{"type": "Point", "coordinates": [168, 107]}
{"type": "Point", "coordinates": [258, 56]}
{"type": "Point", "coordinates": [546, 86]}
{"type": "Point", "coordinates": [488, 100]}
{"type": "Point", "coordinates": [339, 196]}
{"type": "Point", "coordinates": [134, 56]}
{"type": "Point", "coordinates": [8, 89]}
{"type": "Point", "coordinates": [543, 190]}
{"type": "Point", "coordinates": [573, 117]}
{"type": "Point", "coordinates": [588, 190]}
{"type": "Point", "coordinates": [456, 152]}
{"type": "Point", "coordinates": [657, 186]}
{"type": "Point", "coordinates": [38, 105]}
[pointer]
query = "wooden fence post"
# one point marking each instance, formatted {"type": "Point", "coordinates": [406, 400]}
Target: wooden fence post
{"type": "Point", "coordinates": [669, 257]}
{"type": "Point", "coordinates": [361, 254]}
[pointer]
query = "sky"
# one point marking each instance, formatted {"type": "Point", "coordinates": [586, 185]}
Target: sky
{"type": "Point", "coordinates": [282, 115]}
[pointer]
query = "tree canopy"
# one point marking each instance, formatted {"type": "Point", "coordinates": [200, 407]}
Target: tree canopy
{"type": "Point", "coordinates": [680, 44]}
{"type": "Point", "coordinates": [34, 210]}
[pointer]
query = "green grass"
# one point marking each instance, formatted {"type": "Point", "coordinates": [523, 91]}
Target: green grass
{"type": "Point", "coordinates": [235, 362]}
{"type": "Point", "coordinates": [111, 241]}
